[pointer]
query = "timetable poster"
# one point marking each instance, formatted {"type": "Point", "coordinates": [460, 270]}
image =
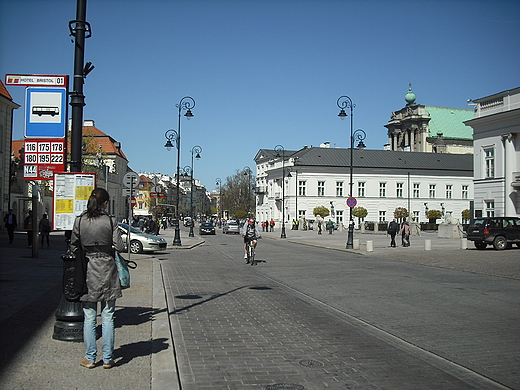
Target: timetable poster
{"type": "Point", "coordinates": [71, 193]}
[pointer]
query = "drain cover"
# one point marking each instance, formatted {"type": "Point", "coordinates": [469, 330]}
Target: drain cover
{"type": "Point", "coordinates": [286, 386]}
{"type": "Point", "coordinates": [311, 363]}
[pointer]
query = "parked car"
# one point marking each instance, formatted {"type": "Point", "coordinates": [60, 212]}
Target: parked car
{"type": "Point", "coordinates": [141, 242]}
{"type": "Point", "coordinates": [501, 232]}
{"type": "Point", "coordinates": [206, 228]}
{"type": "Point", "coordinates": [189, 222]}
{"type": "Point", "coordinates": [231, 227]}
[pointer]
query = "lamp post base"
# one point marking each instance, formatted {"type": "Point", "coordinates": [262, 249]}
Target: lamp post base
{"type": "Point", "coordinates": [350, 237]}
{"type": "Point", "coordinates": [177, 238]}
{"type": "Point", "coordinates": [191, 231]}
{"type": "Point", "coordinates": [283, 231]}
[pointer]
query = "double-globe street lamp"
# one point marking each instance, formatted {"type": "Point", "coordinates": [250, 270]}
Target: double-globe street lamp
{"type": "Point", "coordinates": [278, 149]}
{"type": "Point", "coordinates": [185, 104]}
{"type": "Point", "coordinates": [196, 149]}
{"type": "Point", "coordinates": [346, 102]}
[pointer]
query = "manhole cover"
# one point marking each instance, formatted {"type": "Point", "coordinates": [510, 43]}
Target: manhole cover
{"type": "Point", "coordinates": [287, 386]}
{"type": "Point", "coordinates": [311, 363]}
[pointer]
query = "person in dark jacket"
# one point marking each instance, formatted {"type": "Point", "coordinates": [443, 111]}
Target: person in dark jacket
{"type": "Point", "coordinates": [10, 224]}
{"type": "Point", "coordinates": [98, 234]}
{"type": "Point", "coordinates": [393, 227]}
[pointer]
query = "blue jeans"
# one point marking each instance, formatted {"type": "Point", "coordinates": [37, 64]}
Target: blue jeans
{"type": "Point", "coordinates": [89, 329]}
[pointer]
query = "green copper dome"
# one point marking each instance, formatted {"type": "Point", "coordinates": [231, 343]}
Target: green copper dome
{"type": "Point", "coordinates": [410, 96]}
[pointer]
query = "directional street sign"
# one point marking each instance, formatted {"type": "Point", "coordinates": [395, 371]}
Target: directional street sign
{"type": "Point", "coordinates": [126, 192]}
{"type": "Point", "coordinates": [36, 80]}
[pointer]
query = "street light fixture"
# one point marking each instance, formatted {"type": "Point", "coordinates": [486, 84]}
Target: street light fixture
{"type": "Point", "coordinates": [186, 104]}
{"type": "Point", "coordinates": [196, 149]}
{"type": "Point", "coordinates": [218, 182]}
{"type": "Point", "coordinates": [346, 102]}
{"type": "Point", "coordinates": [278, 149]}
{"type": "Point", "coordinates": [247, 172]}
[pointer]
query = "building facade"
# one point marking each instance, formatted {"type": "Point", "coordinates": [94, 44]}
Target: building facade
{"type": "Point", "coordinates": [496, 128]}
{"type": "Point", "coordinates": [7, 106]}
{"type": "Point", "coordinates": [419, 128]}
{"type": "Point", "coordinates": [292, 185]}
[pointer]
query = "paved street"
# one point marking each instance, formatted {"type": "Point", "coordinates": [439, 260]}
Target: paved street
{"type": "Point", "coordinates": [310, 315]}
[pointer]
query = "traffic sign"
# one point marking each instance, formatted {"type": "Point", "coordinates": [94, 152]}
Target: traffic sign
{"type": "Point", "coordinates": [351, 202]}
{"type": "Point", "coordinates": [43, 157]}
{"type": "Point", "coordinates": [40, 80]}
{"type": "Point", "coordinates": [131, 179]}
{"type": "Point", "coordinates": [133, 201]}
{"type": "Point", "coordinates": [45, 112]}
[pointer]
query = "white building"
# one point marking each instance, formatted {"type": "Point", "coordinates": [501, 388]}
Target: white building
{"type": "Point", "coordinates": [496, 128]}
{"type": "Point", "coordinates": [383, 180]}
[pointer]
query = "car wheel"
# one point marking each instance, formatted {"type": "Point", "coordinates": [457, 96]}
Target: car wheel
{"type": "Point", "coordinates": [500, 243]}
{"type": "Point", "coordinates": [480, 245]}
{"type": "Point", "coordinates": [136, 246]}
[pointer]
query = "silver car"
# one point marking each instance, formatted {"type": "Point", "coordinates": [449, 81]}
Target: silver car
{"type": "Point", "coordinates": [141, 242]}
{"type": "Point", "coordinates": [231, 227]}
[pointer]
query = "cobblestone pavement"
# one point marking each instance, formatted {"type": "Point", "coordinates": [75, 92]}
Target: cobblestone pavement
{"type": "Point", "coordinates": [231, 328]}
{"type": "Point", "coordinates": [235, 329]}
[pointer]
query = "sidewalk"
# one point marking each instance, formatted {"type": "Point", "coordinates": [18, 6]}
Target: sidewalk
{"type": "Point", "coordinates": [31, 290]}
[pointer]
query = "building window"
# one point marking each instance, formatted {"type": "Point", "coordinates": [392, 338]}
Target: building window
{"type": "Point", "coordinates": [382, 190]}
{"type": "Point", "coordinates": [339, 217]}
{"type": "Point", "coordinates": [465, 192]}
{"type": "Point", "coordinates": [301, 213]}
{"type": "Point", "coordinates": [416, 216]}
{"type": "Point", "coordinates": [339, 188]}
{"type": "Point", "coordinates": [432, 190]}
{"type": "Point", "coordinates": [361, 189]}
{"type": "Point", "coordinates": [490, 208]}
{"type": "Point", "coordinates": [382, 216]}
{"type": "Point", "coordinates": [490, 162]}
{"type": "Point", "coordinates": [449, 189]}
{"type": "Point", "coordinates": [321, 188]}
{"type": "Point", "coordinates": [416, 192]}
{"type": "Point", "coordinates": [302, 185]}
{"type": "Point", "coordinates": [399, 193]}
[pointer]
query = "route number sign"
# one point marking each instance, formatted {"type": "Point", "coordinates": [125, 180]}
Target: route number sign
{"type": "Point", "coordinates": [43, 158]}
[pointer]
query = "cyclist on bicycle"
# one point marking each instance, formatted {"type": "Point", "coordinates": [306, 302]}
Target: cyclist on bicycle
{"type": "Point", "coordinates": [251, 233]}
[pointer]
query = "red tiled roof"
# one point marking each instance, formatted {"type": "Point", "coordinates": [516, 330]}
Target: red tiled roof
{"type": "Point", "coordinates": [4, 92]}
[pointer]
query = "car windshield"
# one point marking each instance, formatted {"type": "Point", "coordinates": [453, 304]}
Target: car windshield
{"type": "Point", "coordinates": [132, 229]}
{"type": "Point", "coordinates": [478, 222]}
{"type": "Point", "coordinates": [206, 224]}
{"type": "Point", "coordinates": [232, 224]}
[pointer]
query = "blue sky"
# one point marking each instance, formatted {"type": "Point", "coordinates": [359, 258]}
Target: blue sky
{"type": "Point", "coordinates": [262, 73]}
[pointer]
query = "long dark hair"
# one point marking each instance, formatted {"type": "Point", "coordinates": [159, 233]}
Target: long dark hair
{"type": "Point", "coordinates": [95, 203]}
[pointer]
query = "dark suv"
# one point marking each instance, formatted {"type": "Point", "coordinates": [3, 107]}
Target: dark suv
{"type": "Point", "coordinates": [502, 232]}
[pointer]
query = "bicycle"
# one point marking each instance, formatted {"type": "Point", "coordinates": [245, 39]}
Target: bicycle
{"type": "Point", "coordinates": [250, 253]}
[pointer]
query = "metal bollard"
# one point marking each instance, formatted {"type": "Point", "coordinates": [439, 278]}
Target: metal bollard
{"type": "Point", "coordinates": [356, 244]}
{"type": "Point", "coordinates": [427, 245]}
{"type": "Point", "coordinates": [370, 246]}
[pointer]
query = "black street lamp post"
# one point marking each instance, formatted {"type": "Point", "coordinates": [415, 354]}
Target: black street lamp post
{"type": "Point", "coordinates": [186, 104]}
{"type": "Point", "coordinates": [247, 172]}
{"type": "Point", "coordinates": [196, 149]}
{"type": "Point", "coordinates": [346, 102]}
{"type": "Point", "coordinates": [218, 182]}
{"type": "Point", "coordinates": [278, 149]}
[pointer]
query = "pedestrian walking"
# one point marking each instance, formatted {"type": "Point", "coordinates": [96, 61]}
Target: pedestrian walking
{"type": "Point", "coordinates": [45, 229]}
{"type": "Point", "coordinates": [330, 226]}
{"type": "Point", "coordinates": [271, 225]}
{"type": "Point", "coordinates": [28, 226]}
{"type": "Point", "coordinates": [393, 227]}
{"type": "Point", "coordinates": [10, 224]}
{"type": "Point", "coordinates": [98, 234]}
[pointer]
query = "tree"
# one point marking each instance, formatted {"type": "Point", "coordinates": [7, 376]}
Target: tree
{"type": "Point", "coordinates": [321, 211]}
{"type": "Point", "coordinates": [434, 214]}
{"type": "Point", "coordinates": [238, 194]}
{"type": "Point", "coordinates": [400, 212]}
{"type": "Point", "coordinates": [359, 212]}
{"type": "Point", "coordinates": [466, 214]}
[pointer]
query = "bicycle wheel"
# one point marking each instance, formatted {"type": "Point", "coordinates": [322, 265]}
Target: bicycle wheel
{"type": "Point", "coordinates": [252, 254]}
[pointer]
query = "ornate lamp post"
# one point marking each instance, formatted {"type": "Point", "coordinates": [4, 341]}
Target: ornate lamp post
{"type": "Point", "coordinates": [247, 172]}
{"type": "Point", "coordinates": [186, 104]}
{"type": "Point", "coordinates": [346, 102]}
{"type": "Point", "coordinates": [278, 149]}
{"type": "Point", "coordinates": [196, 149]}
{"type": "Point", "coordinates": [218, 182]}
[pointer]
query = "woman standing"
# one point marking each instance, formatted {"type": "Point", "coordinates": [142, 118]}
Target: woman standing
{"type": "Point", "coordinates": [98, 234]}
